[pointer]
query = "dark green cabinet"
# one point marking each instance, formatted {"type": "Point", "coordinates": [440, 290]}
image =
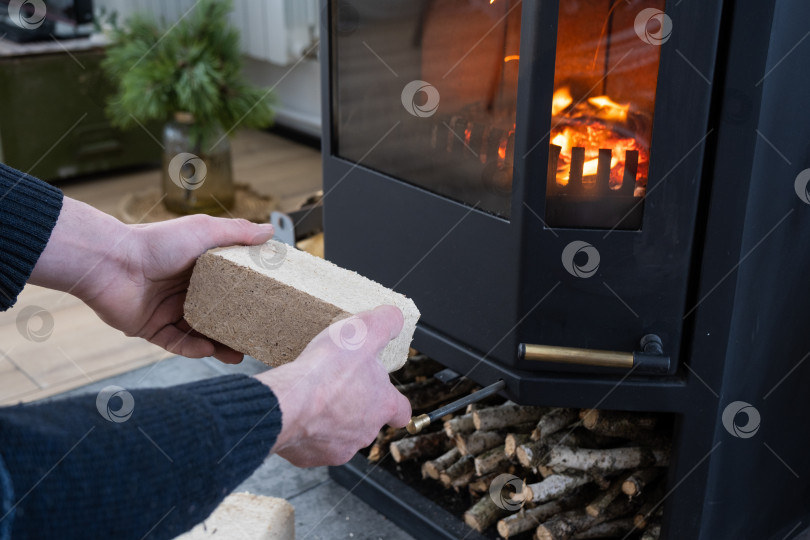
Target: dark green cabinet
{"type": "Point", "coordinates": [52, 122]}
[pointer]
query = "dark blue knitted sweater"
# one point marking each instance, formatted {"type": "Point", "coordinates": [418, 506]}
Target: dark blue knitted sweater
{"type": "Point", "coordinates": [67, 472]}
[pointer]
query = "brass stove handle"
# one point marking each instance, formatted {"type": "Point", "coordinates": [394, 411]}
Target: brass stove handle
{"type": "Point", "coordinates": [650, 360]}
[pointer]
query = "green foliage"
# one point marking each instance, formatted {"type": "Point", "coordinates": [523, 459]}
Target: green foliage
{"type": "Point", "coordinates": [192, 66]}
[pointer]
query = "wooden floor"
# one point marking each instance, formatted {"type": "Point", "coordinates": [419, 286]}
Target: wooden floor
{"type": "Point", "coordinates": [66, 346]}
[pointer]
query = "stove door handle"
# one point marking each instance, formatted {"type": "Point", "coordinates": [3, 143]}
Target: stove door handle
{"type": "Point", "coordinates": [650, 360]}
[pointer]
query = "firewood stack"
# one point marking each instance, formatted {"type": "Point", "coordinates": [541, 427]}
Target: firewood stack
{"type": "Point", "coordinates": [558, 473]}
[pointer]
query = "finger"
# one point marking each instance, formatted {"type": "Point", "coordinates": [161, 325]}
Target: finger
{"type": "Point", "coordinates": [226, 355]}
{"type": "Point", "coordinates": [185, 344]}
{"type": "Point", "coordinates": [221, 232]}
{"type": "Point", "coordinates": [381, 325]}
{"type": "Point", "coordinates": [402, 411]}
{"type": "Point", "coordinates": [222, 352]}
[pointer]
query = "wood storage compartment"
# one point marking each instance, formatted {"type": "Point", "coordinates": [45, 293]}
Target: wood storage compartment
{"type": "Point", "coordinates": [518, 472]}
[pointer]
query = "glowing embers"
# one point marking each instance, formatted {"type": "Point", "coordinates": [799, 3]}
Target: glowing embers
{"type": "Point", "coordinates": [596, 147]}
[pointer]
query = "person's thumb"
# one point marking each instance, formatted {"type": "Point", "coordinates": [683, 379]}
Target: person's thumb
{"type": "Point", "coordinates": [368, 330]}
{"type": "Point", "coordinates": [221, 232]}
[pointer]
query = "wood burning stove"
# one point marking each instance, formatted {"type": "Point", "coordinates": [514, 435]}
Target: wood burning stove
{"type": "Point", "coordinates": [595, 201]}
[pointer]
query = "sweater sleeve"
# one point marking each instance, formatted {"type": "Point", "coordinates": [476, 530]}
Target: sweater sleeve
{"type": "Point", "coordinates": [130, 464]}
{"type": "Point", "coordinates": [29, 209]}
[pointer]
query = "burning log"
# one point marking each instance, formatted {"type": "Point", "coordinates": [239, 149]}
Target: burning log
{"type": "Point", "coordinates": [600, 504]}
{"type": "Point", "coordinates": [512, 442]}
{"type": "Point", "coordinates": [553, 421]}
{"type": "Point", "coordinates": [483, 514]}
{"type": "Point", "coordinates": [610, 529]}
{"type": "Point", "coordinates": [491, 460]}
{"type": "Point", "coordinates": [478, 441]}
{"type": "Point", "coordinates": [504, 416]}
{"type": "Point", "coordinates": [616, 424]}
{"type": "Point", "coordinates": [384, 438]}
{"type": "Point", "coordinates": [433, 468]}
{"type": "Point", "coordinates": [553, 487]}
{"type": "Point", "coordinates": [425, 446]}
{"type": "Point", "coordinates": [459, 473]}
{"type": "Point", "coordinates": [636, 482]}
{"type": "Point", "coordinates": [566, 525]}
{"type": "Point", "coordinates": [606, 461]}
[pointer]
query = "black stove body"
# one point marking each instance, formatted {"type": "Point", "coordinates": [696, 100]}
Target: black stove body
{"type": "Point", "coordinates": [552, 181]}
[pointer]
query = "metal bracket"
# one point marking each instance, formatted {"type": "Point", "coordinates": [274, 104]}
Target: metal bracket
{"type": "Point", "coordinates": [285, 229]}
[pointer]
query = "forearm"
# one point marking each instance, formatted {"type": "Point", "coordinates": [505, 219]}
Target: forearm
{"type": "Point", "coordinates": [86, 247]}
{"type": "Point", "coordinates": [78, 475]}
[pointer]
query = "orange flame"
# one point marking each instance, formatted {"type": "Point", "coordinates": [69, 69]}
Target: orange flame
{"type": "Point", "coordinates": [609, 109]}
{"type": "Point", "coordinates": [560, 100]}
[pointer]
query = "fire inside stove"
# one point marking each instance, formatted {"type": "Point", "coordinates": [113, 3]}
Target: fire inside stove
{"type": "Point", "coordinates": [592, 125]}
{"type": "Point", "coordinates": [453, 128]}
{"type": "Point", "coordinates": [605, 81]}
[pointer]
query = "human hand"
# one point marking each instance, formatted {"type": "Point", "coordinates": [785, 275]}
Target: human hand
{"type": "Point", "coordinates": [135, 277]}
{"type": "Point", "coordinates": [335, 400]}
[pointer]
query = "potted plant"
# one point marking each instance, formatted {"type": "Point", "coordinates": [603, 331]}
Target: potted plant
{"type": "Point", "coordinates": [188, 76]}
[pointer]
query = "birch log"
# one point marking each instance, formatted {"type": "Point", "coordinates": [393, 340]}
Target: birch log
{"type": "Point", "coordinates": [433, 468]}
{"type": "Point", "coordinates": [504, 416]}
{"type": "Point", "coordinates": [478, 441]}
{"type": "Point", "coordinates": [606, 461]}
{"type": "Point", "coordinates": [553, 487]}
{"type": "Point", "coordinates": [459, 473]}
{"type": "Point", "coordinates": [511, 443]}
{"type": "Point", "coordinates": [636, 482]}
{"type": "Point", "coordinates": [428, 445]}
{"type": "Point", "coordinates": [553, 421]}
{"type": "Point", "coordinates": [483, 514]}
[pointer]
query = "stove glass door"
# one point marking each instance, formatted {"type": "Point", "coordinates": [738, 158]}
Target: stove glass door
{"type": "Point", "coordinates": [425, 92]}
